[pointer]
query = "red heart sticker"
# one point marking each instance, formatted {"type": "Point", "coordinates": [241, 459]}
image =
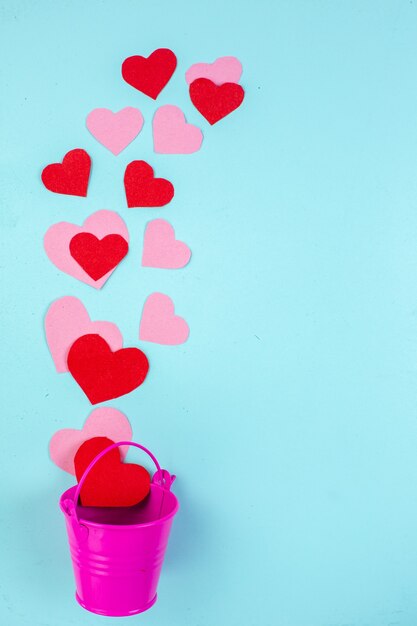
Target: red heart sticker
{"type": "Point", "coordinates": [71, 176]}
{"type": "Point", "coordinates": [97, 256]}
{"type": "Point", "coordinates": [103, 374]}
{"type": "Point", "coordinates": [110, 482]}
{"type": "Point", "coordinates": [150, 75]}
{"type": "Point", "coordinates": [143, 189]}
{"type": "Point", "coordinates": [215, 101]}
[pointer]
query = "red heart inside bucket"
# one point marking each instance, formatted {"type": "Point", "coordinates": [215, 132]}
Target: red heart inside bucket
{"type": "Point", "coordinates": [110, 482]}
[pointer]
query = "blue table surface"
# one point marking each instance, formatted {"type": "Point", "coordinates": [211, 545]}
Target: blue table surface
{"type": "Point", "coordinates": [290, 415]}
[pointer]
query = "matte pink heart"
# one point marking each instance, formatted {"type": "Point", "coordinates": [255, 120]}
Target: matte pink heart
{"type": "Point", "coordinates": [159, 323]}
{"type": "Point", "coordinates": [161, 249]}
{"type": "Point", "coordinates": [58, 236]}
{"type": "Point", "coordinates": [223, 70]}
{"type": "Point", "coordinates": [66, 320]}
{"type": "Point", "coordinates": [102, 422]}
{"type": "Point", "coordinates": [172, 134]}
{"type": "Point", "coordinates": [115, 131]}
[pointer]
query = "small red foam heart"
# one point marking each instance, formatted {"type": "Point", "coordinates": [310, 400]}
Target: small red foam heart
{"type": "Point", "coordinates": [71, 176]}
{"type": "Point", "coordinates": [150, 75]}
{"type": "Point", "coordinates": [98, 256]}
{"type": "Point", "coordinates": [110, 482]}
{"type": "Point", "coordinates": [215, 101]}
{"type": "Point", "coordinates": [143, 189]}
{"type": "Point", "coordinates": [103, 374]}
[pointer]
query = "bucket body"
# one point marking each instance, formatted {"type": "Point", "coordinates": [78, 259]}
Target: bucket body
{"type": "Point", "coordinates": [117, 553]}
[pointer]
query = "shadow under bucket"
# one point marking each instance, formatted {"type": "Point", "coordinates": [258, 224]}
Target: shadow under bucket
{"type": "Point", "coordinates": [117, 553]}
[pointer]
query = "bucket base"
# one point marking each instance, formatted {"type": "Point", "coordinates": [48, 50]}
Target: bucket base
{"type": "Point", "coordinates": [110, 614]}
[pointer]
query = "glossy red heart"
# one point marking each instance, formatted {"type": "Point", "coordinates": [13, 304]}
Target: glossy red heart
{"type": "Point", "coordinates": [143, 189]}
{"type": "Point", "coordinates": [98, 256]}
{"type": "Point", "coordinates": [150, 75]}
{"type": "Point", "coordinates": [215, 101]}
{"type": "Point", "coordinates": [109, 482]}
{"type": "Point", "coordinates": [103, 374]}
{"type": "Point", "coordinates": [69, 177]}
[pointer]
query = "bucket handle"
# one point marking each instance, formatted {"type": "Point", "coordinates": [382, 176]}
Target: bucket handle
{"type": "Point", "coordinates": [161, 477]}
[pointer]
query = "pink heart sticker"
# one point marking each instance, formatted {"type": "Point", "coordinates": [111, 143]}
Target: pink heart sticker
{"type": "Point", "coordinates": [172, 134]}
{"type": "Point", "coordinates": [58, 237]}
{"type": "Point", "coordinates": [161, 249]}
{"type": "Point", "coordinates": [66, 320]}
{"type": "Point", "coordinates": [102, 422]}
{"type": "Point", "coordinates": [115, 131]}
{"type": "Point", "coordinates": [223, 70]}
{"type": "Point", "coordinates": [159, 323]}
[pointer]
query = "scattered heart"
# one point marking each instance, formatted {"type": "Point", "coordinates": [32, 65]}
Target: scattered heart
{"type": "Point", "coordinates": [143, 189]}
{"type": "Point", "coordinates": [96, 256]}
{"type": "Point", "coordinates": [103, 374]}
{"type": "Point", "coordinates": [215, 101]}
{"type": "Point", "coordinates": [222, 70]}
{"type": "Point", "coordinates": [109, 483]}
{"type": "Point", "coordinates": [65, 321]}
{"type": "Point", "coordinates": [102, 422]}
{"type": "Point", "coordinates": [161, 249]}
{"type": "Point", "coordinates": [69, 177]}
{"type": "Point", "coordinates": [172, 134]}
{"type": "Point", "coordinates": [159, 323]}
{"type": "Point", "coordinates": [100, 224]}
{"type": "Point", "coordinates": [115, 131]}
{"type": "Point", "coordinates": [150, 75]}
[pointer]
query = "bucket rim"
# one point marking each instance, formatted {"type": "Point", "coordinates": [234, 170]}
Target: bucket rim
{"type": "Point", "coordinates": [89, 524]}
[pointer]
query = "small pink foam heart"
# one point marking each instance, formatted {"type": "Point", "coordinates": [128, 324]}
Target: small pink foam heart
{"type": "Point", "coordinates": [102, 422]}
{"type": "Point", "coordinates": [172, 134]}
{"type": "Point", "coordinates": [58, 237]}
{"type": "Point", "coordinates": [66, 320]}
{"type": "Point", "coordinates": [161, 249]}
{"type": "Point", "coordinates": [159, 323]}
{"type": "Point", "coordinates": [223, 70]}
{"type": "Point", "coordinates": [115, 131]}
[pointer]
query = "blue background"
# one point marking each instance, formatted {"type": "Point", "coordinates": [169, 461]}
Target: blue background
{"type": "Point", "coordinates": [290, 415]}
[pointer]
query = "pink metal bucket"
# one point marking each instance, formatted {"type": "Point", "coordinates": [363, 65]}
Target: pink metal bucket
{"type": "Point", "coordinates": [117, 553]}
